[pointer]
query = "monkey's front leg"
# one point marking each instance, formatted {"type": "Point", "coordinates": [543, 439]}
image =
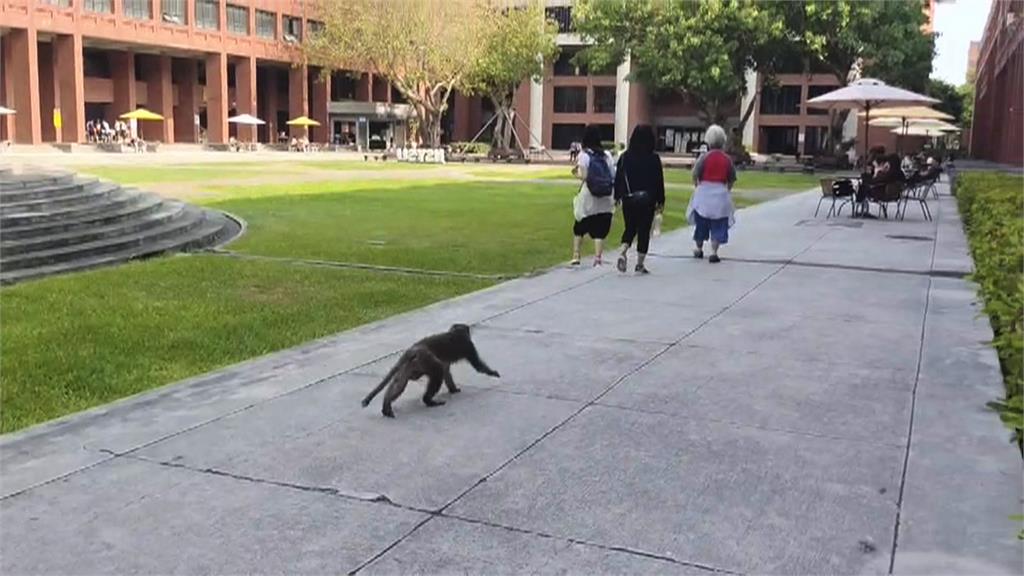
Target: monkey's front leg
{"type": "Point", "coordinates": [449, 383]}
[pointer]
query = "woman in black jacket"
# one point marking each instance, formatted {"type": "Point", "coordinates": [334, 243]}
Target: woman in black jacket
{"type": "Point", "coordinates": [640, 188]}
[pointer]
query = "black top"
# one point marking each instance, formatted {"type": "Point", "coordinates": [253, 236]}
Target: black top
{"type": "Point", "coordinates": [644, 173]}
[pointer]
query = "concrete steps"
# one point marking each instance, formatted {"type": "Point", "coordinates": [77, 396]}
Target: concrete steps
{"type": "Point", "coordinates": [57, 223]}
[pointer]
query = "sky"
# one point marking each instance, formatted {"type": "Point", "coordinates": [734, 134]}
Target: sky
{"type": "Point", "coordinates": [957, 22]}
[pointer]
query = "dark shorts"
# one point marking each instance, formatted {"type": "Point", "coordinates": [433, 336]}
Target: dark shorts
{"type": "Point", "coordinates": [715, 228]}
{"type": "Point", "coordinates": [595, 226]}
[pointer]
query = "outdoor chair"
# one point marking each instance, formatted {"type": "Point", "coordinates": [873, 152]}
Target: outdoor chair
{"type": "Point", "coordinates": [885, 194]}
{"type": "Point", "coordinates": [915, 193]}
{"type": "Point", "coordinates": [831, 190]}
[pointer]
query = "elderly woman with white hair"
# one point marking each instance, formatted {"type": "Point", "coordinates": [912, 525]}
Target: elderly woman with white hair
{"type": "Point", "coordinates": [711, 210]}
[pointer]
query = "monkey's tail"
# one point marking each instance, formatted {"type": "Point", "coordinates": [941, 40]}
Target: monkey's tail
{"type": "Point", "coordinates": [383, 383]}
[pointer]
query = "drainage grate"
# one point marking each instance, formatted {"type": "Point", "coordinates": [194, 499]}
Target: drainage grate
{"type": "Point", "coordinates": [905, 237]}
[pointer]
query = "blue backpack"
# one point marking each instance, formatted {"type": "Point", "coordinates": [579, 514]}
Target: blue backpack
{"type": "Point", "coordinates": [599, 176]}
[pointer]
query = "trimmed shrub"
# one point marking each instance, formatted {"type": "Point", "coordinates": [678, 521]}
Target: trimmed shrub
{"type": "Point", "coordinates": [482, 148]}
{"type": "Point", "coordinates": [992, 206]}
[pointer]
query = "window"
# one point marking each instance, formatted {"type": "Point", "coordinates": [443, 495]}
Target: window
{"type": "Point", "coordinates": [564, 65]}
{"type": "Point", "coordinates": [208, 14]}
{"type": "Point", "coordinates": [292, 29]}
{"type": "Point", "coordinates": [174, 12]}
{"type": "Point", "coordinates": [571, 99]}
{"type": "Point", "coordinates": [604, 99]}
{"type": "Point", "coordinates": [562, 16]}
{"type": "Point", "coordinates": [343, 86]}
{"type": "Point", "coordinates": [266, 24]}
{"type": "Point", "coordinates": [100, 6]}
{"type": "Point", "coordinates": [814, 91]}
{"type": "Point", "coordinates": [315, 27]}
{"type": "Point", "coordinates": [238, 19]}
{"type": "Point", "coordinates": [562, 135]}
{"type": "Point", "coordinates": [95, 63]}
{"type": "Point", "coordinates": [58, 3]}
{"type": "Point", "coordinates": [781, 100]}
{"type": "Point", "coordinates": [815, 140]}
{"type": "Point", "coordinates": [779, 139]}
{"type": "Point", "coordinates": [138, 9]}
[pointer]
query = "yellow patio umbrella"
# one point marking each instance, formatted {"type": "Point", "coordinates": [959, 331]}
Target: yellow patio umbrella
{"type": "Point", "coordinates": [140, 114]}
{"type": "Point", "coordinates": [910, 113]}
{"type": "Point", "coordinates": [302, 121]}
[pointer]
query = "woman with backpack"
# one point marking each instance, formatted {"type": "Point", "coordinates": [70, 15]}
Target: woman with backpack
{"type": "Point", "coordinates": [711, 210]}
{"type": "Point", "coordinates": [594, 203]}
{"type": "Point", "coordinates": [640, 187]}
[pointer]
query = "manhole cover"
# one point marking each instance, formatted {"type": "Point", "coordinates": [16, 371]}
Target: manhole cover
{"type": "Point", "coordinates": [905, 237]}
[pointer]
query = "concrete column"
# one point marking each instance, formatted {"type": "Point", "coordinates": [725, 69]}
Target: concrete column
{"type": "Point", "coordinates": [245, 95]}
{"type": "Point", "coordinates": [298, 101]}
{"type": "Point", "coordinates": [269, 104]}
{"type": "Point", "coordinates": [536, 112]}
{"type": "Point", "coordinates": [160, 91]}
{"type": "Point", "coordinates": [47, 92]}
{"type": "Point", "coordinates": [122, 71]}
{"type": "Point", "coordinates": [622, 119]}
{"type": "Point", "coordinates": [217, 98]}
{"type": "Point", "coordinates": [185, 112]}
{"type": "Point", "coordinates": [71, 86]}
{"type": "Point", "coordinates": [318, 109]}
{"type": "Point", "coordinates": [23, 70]}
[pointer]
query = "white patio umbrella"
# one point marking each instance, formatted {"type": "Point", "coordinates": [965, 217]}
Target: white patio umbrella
{"type": "Point", "coordinates": [867, 94]}
{"type": "Point", "coordinates": [926, 130]}
{"type": "Point", "coordinates": [921, 124]}
{"type": "Point", "coordinates": [5, 111]}
{"type": "Point", "coordinates": [246, 120]}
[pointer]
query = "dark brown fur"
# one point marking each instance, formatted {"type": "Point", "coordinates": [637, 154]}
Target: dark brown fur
{"type": "Point", "coordinates": [431, 357]}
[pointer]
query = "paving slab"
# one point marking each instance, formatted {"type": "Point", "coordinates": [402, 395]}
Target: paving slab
{"type": "Point", "coordinates": [132, 517]}
{"type": "Point", "coordinates": [837, 400]}
{"type": "Point", "coordinates": [322, 437]}
{"type": "Point", "coordinates": [732, 497]}
{"type": "Point", "coordinates": [447, 546]}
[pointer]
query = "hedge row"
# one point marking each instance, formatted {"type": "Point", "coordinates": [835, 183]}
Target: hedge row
{"type": "Point", "coordinates": [992, 206]}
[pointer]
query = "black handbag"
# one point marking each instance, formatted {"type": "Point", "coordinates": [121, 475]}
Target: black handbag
{"type": "Point", "coordinates": [637, 199]}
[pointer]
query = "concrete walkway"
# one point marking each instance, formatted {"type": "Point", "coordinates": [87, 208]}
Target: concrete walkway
{"type": "Point", "coordinates": [814, 404]}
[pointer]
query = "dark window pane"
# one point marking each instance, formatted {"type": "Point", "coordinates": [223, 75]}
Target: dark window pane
{"type": "Point", "coordinates": [781, 100]}
{"type": "Point", "coordinates": [604, 99]}
{"type": "Point", "coordinates": [814, 91]}
{"type": "Point", "coordinates": [562, 135]}
{"type": "Point", "coordinates": [562, 16]}
{"type": "Point", "coordinates": [571, 99]}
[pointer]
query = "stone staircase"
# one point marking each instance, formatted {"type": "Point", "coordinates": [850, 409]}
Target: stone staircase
{"type": "Point", "coordinates": [51, 223]}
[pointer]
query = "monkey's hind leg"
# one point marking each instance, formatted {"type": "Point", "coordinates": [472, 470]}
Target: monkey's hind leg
{"type": "Point", "coordinates": [449, 382]}
{"type": "Point", "coordinates": [395, 390]}
{"type": "Point", "coordinates": [435, 371]}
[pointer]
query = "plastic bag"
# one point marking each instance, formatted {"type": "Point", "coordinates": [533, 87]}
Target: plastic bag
{"type": "Point", "coordinates": [656, 228]}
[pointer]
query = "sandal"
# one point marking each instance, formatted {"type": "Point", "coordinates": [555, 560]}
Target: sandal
{"type": "Point", "coordinates": [621, 264]}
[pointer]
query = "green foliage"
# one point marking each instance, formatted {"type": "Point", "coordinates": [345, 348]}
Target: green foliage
{"type": "Point", "coordinates": [951, 100]}
{"type": "Point", "coordinates": [471, 148]}
{"type": "Point", "coordinates": [993, 211]}
{"type": "Point", "coordinates": [702, 49]}
{"type": "Point", "coordinates": [967, 97]}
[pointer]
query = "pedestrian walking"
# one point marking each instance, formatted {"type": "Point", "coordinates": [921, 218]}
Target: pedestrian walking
{"type": "Point", "coordinates": [593, 204]}
{"type": "Point", "coordinates": [640, 188]}
{"type": "Point", "coordinates": [711, 210]}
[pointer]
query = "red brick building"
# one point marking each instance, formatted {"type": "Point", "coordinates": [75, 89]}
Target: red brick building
{"type": "Point", "coordinates": [195, 62]}
{"type": "Point", "coordinates": [997, 133]}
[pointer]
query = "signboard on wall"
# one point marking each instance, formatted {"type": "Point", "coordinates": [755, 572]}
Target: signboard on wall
{"type": "Point", "coordinates": [420, 155]}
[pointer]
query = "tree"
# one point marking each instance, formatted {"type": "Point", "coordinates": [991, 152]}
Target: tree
{"type": "Point", "coordinates": [851, 39]}
{"type": "Point", "coordinates": [424, 48]}
{"type": "Point", "coordinates": [951, 101]}
{"type": "Point", "coordinates": [701, 50]}
{"type": "Point", "coordinates": [966, 92]}
{"type": "Point", "coordinates": [518, 44]}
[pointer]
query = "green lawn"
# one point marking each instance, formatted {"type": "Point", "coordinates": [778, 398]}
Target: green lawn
{"type": "Point", "coordinates": [72, 342]}
{"type": "Point", "coordinates": [482, 227]}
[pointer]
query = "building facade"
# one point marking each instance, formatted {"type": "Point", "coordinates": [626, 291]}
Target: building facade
{"type": "Point", "coordinates": [195, 62]}
{"type": "Point", "coordinates": [997, 133]}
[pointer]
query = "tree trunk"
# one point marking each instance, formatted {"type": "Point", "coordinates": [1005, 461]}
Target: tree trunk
{"type": "Point", "coordinates": [501, 140]}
